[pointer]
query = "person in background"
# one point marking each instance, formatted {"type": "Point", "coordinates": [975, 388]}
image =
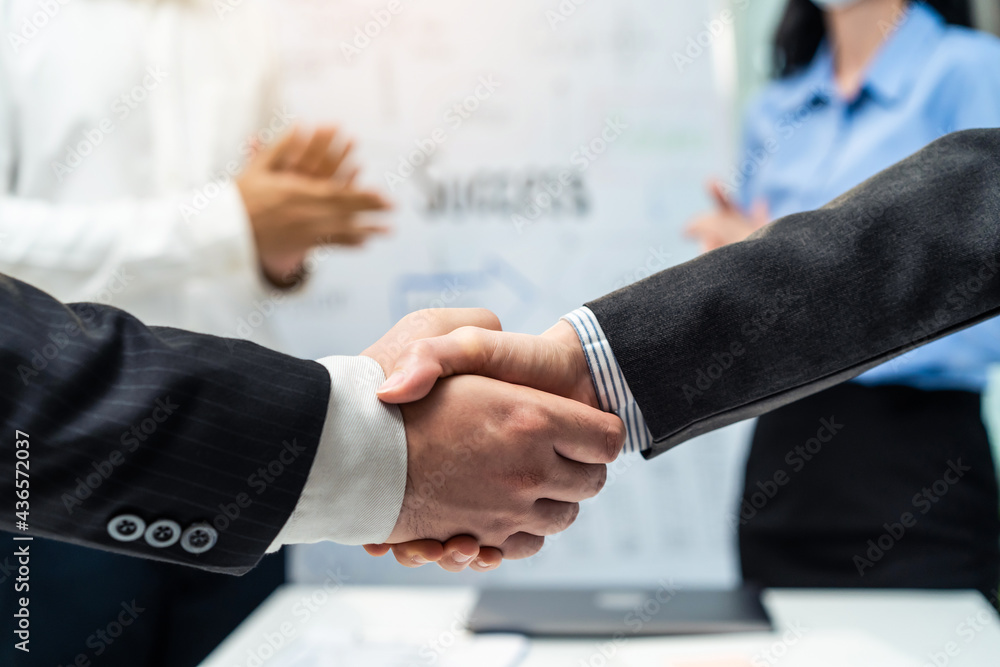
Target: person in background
{"type": "Point", "coordinates": [147, 162]}
{"type": "Point", "coordinates": [886, 481]}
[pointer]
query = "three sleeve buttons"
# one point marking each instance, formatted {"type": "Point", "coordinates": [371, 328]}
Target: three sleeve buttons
{"type": "Point", "coordinates": [195, 539]}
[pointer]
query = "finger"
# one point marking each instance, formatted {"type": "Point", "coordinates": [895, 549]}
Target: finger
{"type": "Point", "coordinates": [354, 237]}
{"type": "Point", "coordinates": [274, 156]}
{"type": "Point", "coordinates": [327, 231]}
{"type": "Point", "coordinates": [517, 358]}
{"type": "Point", "coordinates": [425, 324]}
{"type": "Point", "coordinates": [698, 228]}
{"type": "Point", "coordinates": [459, 553]}
{"type": "Point", "coordinates": [343, 199]}
{"type": "Point", "coordinates": [717, 192]}
{"type": "Point", "coordinates": [418, 552]}
{"type": "Point", "coordinates": [354, 200]}
{"type": "Point", "coordinates": [377, 550]}
{"type": "Point", "coordinates": [550, 517]}
{"type": "Point", "coordinates": [311, 162]}
{"type": "Point", "coordinates": [336, 161]}
{"type": "Point", "coordinates": [571, 481]}
{"type": "Point", "coordinates": [351, 178]}
{"type": "Point", "coordinates": [489, 558]}
{"type": "Point", "coordinates": [581, 433]}
{"type": "Point", "coordinates": [519, 546]}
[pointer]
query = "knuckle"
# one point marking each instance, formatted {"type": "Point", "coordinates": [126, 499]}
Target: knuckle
{"type": "Point", "coordinates": [525, 481]}
{"type": "Point", "coordinates": [487, 318]}
{"type": "Point", "coordinates": [418, 347]}
{"type": "Point", "coordinates": [475, 344]}
{"type": "Point", "coordinates": [468, 337]}
{"type": "Point", "coordinates": [529, 545]}
{"type": "Point", "coordinates": [432, 314]}
{"type": "Point", "coordinates": [528, 421]}
{"type": "Point", "coordinates": [499, 528]}
{"type": "Point", "coordinates": [416, 317]}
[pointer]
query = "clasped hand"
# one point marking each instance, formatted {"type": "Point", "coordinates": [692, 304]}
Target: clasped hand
{"type": "Point", "coordinates": [504, 437]}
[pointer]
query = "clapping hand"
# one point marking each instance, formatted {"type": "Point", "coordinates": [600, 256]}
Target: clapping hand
{"type": "Point", "coordinates": [300, 193]}
{"type": "Point", "coordinates": [727, 223]}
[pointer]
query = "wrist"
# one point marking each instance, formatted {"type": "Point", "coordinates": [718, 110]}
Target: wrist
{"type": "Point", "coordinates": [285, 277]}
{"type": "Point", "coordinates": [566, 337]}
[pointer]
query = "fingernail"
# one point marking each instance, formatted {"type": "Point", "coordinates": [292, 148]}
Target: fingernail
{"type": "Point", "coordinates": [482, 563]}
{"type": "Point", "coordinates": [419, 560]}
{"type": "Point", "coordinates": [394, 381]}
{"type": "Point", "coordinates": [459, 557]}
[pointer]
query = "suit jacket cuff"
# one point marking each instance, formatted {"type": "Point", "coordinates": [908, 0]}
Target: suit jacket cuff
{"type": "Point", "coordinates": [355, 488]}
{"type": "Point", "coordinates": [613, 391]}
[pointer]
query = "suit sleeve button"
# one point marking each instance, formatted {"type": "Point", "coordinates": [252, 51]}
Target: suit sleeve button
{"type": "Point", "coordinates": [199, 538]}
{"type": "Point", "coordinates": [163, 533]}
{"type": "Point", "coordinates": [126, 527]}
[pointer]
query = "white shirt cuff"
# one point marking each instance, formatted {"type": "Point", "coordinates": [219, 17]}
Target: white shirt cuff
{"type": "Point", "coordinates": [609, 381]}
{"type": "Point", "coordinates": [354, 491]}
{"type": "Point", "coordinates": [223, 231]}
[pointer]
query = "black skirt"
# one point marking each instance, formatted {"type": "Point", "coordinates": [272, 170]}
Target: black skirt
{"type": "Point", "coordinates": [882, 487]}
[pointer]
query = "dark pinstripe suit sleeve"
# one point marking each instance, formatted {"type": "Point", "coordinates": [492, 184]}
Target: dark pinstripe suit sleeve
{"type": "Point", "coordinates": [155, 422]}
{"type": "Point", "coordinates": [817, 298]}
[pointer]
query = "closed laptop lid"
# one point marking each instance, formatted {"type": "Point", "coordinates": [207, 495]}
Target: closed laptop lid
{"type": "Point", "coordinates": [618, 612]}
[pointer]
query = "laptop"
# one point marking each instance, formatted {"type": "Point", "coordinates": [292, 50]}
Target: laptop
{"type": "Point", "coordinates": [618, 612]}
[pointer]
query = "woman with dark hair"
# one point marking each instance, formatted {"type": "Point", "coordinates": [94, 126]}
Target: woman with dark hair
{"type": "Point", "coordinates": [887, 481]}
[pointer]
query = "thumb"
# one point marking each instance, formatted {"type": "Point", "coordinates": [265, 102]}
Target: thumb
{"type": "Point", "coordinates": [425, 324]}
{"type": "Point", "coordinates": [521, 359]}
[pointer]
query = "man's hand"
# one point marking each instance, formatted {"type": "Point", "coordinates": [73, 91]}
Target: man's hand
{"type": "Point", "coordinates": [553, 362]}
{"type": "Point", "coordinates": [299, 193]}
{"type": "Point", "coordinates": [494, 463]}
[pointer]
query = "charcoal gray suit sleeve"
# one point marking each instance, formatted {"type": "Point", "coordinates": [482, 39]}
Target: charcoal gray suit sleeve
{"type": "Point", "coordinates": [156, 423]}
{"type": "Point", "coordinates": [816, 298]}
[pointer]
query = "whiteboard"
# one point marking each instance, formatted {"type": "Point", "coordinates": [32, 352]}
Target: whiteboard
{"type": "Point", "coordinates": [540, 154]}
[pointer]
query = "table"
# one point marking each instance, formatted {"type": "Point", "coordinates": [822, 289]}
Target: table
{"type": "Point", "coordinates": [938, 629]}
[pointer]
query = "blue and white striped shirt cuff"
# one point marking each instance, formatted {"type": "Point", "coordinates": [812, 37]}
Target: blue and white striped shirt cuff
{"type": "Point", "coordinates": [609, 381]}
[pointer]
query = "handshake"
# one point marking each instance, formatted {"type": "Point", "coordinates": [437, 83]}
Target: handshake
{"type": "Point", "coordinates": [504, 436]}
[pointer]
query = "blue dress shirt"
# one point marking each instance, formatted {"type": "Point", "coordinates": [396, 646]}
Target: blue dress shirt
{"type": "Point", "coordinates": [804, 145]}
